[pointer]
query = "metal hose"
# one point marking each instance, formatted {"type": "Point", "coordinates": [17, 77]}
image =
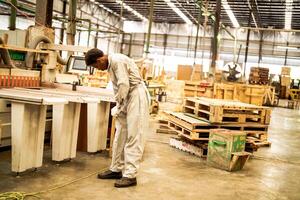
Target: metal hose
{"type": "Point", "coordinates": [4, 54]}
{"type": "Point", "coordinates": [33, 44]}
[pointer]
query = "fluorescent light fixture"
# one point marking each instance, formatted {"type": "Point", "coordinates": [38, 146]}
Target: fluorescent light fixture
{"type": "Point", "coordinates": [127, 7]}
{"type": "Point", "coordinates": [288, 14]}
{"type": "Point", "coordinates": [230, 14]}
{"type": "Point", "coordinates": [178, 12]}
{"type": "Point", "coordinates": [108, 10]}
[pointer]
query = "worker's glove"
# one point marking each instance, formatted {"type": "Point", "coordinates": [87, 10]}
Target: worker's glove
{"type": "Point", "coordinates": [122, 94]}
{"type": "Point", "coordinates": [115, 111]}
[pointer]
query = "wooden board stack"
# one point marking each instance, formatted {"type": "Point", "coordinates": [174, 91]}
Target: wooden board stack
{"type": "Point", "coordinates": [259, 76]}
{"type": "Point", "coordinates": [201, 115]}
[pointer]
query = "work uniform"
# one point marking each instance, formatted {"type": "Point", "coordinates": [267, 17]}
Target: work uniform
{"type": "Point", "coordinates": [133, 115]}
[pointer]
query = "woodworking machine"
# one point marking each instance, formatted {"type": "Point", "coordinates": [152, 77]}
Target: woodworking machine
{"type": "Point", "coordinates": [28, 59]}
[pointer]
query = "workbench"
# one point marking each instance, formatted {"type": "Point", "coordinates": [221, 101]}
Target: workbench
{"type": "Point", "coordinates": [28, 119]}
{"type": "Point", "coordinates": [65, 121]}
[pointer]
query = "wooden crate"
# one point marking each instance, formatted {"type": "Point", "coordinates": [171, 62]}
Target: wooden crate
{"type": "Point", "coordinates": [252, 94]}
{"type": "Point", "coordinates": [226, 111]}
{"type": "Point", "coordinates": [222, 146]}
{"type": "Point", "coordinates": [195, 88]}
{"type": "Point", "coordinates": [259, 76]}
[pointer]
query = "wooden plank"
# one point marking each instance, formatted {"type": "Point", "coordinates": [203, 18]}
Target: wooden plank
{"type": "Point", "coordinates": [184, 72]}
{"type": "Point", "coordinates": [28, 128]}
{"type": "Point", "coordinates": [101, 95]}
{"type": "Point", "coordinates": [65, 131]}
{"type": "Point", "coordinates": [17, 95]}
{"type": "Point", "coordinates": [98, 115]}
{"type": "Point", "coordinates": [57, 94]}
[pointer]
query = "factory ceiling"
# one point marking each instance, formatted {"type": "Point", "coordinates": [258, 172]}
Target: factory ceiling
{"type": "Point", "coordinates": [280, 14]}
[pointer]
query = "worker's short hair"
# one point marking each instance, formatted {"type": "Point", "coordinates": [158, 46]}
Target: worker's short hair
{"type": "Point", "coordinates": [92, 55]}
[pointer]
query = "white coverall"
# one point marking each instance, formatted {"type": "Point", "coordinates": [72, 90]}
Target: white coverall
{"type": "Point", "coordinates": [132, 119]}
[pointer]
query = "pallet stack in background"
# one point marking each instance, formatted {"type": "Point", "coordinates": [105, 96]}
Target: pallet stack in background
{"type": "Point", "coordinates": [201, 115]}
{"type": "Point", "coordinates": [285, 81]}
{"type": "Point", "coordinates": [197, 89]}
{"type": "Point", "coordinates": [259, 76]}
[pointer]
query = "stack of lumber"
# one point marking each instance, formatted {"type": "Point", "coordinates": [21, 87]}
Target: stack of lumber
{"type": "Point", "coordinates": [259, 76]}
{"type": "Point", "coordinates": [201, 115]}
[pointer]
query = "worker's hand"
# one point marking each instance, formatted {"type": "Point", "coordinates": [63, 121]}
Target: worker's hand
{"type": "Point", "coordinates": [122, 94]}
{"type": "Point", "coordinates": [115, 111]}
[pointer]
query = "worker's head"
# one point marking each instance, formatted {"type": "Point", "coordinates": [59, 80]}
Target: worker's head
{"type": "Point", "coordinates": [96, 58]}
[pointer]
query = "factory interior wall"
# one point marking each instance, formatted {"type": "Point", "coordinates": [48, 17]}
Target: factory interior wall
{"type": "Point", "coordinates": [180, 47]}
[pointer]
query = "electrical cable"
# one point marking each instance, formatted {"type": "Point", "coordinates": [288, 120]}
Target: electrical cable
{"type": "Point", "coordinates": [23, 195]}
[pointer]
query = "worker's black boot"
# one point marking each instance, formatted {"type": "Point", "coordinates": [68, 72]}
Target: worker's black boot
{"type": "Point", "coordinates": [125, 182]}
{"type": "Point", "coordinates": [110, 175]}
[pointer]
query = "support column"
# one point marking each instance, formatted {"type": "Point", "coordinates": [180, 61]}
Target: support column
{"type": "Point", "coordinates": [215, 41]}
{"type": "Point", "coordinates": [122, 42]}
{"type": "Point", "coordinates": [165, 43]}
{"type": "Point", "coordinates": [43, 13]}
{"type": "Point", "coordinates": [260, 46]}
{"type": "Point", "coordinates": [97, 37]}
{"type": "Point", "coordinates": [62, 30]}
{"type": "Point", "coordinates": [130, 44]}
{"type": "Point", "coordinates": [13, 15]}
{"type": "Point", "coordinates": [247, 43]}
{"type": "Point", "coordinates": [198, 28]}
{"type": "Point", "coordinates": [149, 26]}
{"type": "Point", "coordinates": [286, 54]}
{"type": "Point", "coordinates": [71, 31]}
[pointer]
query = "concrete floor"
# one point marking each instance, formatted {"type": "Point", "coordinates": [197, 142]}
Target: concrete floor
{"type": "Point", "coordinates": [168, 173]}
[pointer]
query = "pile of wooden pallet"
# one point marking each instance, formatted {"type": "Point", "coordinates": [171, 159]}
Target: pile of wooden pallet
{"type": "Point", "coordinates": [201, 115]}
{"type": "Point", "coordinates": [259, 76]}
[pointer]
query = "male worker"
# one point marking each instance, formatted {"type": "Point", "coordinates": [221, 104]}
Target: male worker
{"type": "Point", "coordinates": [132, 113]}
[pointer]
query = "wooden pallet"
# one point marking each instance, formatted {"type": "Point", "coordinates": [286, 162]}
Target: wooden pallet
{"type": "Point", "coordinates": [164, 127]}
{"type": "Point", "coordinates": [226, 111]}
{"type": "Point", "coordinates": [258, 142]}
{"type": "Point", "coordinates": [188, 146]}
{"type": "Point", "coordinates": [196, 129]}
{"type": "Point", "coordinates": [258, 82]}
{"type": "Point", "coordinates": [195, 88]}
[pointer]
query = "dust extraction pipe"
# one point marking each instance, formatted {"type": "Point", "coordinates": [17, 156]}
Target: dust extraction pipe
{"type": "Point", "coordinates": [33, 44]}
{"type": "Point", "coordinates": [5, 55]}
